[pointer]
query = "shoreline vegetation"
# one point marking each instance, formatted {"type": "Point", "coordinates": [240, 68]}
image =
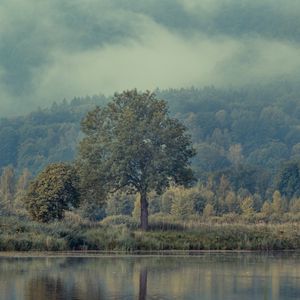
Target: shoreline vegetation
{"type": "Point", "coordinates": [142, 254]}
{"type": "Point", "coordinates": [17, 234]}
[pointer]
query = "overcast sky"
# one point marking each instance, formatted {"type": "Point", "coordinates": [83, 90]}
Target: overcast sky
{"type": "Point", "coordinates": [55, 49]}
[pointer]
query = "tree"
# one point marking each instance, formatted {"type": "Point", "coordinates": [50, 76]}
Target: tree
{"type": "Point", "coordinates": [166, 200]}
{"type": "Point", "coordinates": [132, 142]}
{"type": "Point", "coordinates": [7, 187]}
{"type": "Point", "coordinates": [288, 179]}
{"type": "Point", "coordinates": [208, 211]}
{"type": "Point", "coordinates": [267, 210]}
{"type": "Point", "coordinates": [247, 207]}
{"type": "Point", "coordinates": [21, 190]}
{"type": "Point", "coordinates": [295, 206]}
{"type": "Point", "coordinates": [277, 203]}
{"type": "Point", "coordinates": [231, 202]}
{"type": "Point", "coordinates": [183, 203]}
{"type": "Point", "coordinates": [52, 192]}
{"type": "Point", "coordinates": [235, 154]}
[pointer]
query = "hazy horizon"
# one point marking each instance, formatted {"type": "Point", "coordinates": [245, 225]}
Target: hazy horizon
{"type": "Point", "coordinates": [53, 49]}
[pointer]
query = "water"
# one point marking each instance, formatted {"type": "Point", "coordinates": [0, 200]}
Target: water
{"type": "Point", "coordinates": [205, 276]}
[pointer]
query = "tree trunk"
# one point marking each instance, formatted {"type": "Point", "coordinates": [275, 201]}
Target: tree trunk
{"type": "Point", "coordinates": [143, 284]}
{"type": "Point", "coordinates": [144, 211]}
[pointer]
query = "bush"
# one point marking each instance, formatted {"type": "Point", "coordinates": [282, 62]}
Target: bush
{"type": "Point", "coordinates": [164, 222]}
{"type": "Point", "coordinates": [119, 220]}
{"type": "Point", "coordinates": [52, 192]}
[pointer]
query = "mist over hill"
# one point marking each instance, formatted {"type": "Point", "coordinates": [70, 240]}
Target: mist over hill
{"type": "Point", "coordinates": [56, 49]}
{"type": "Point", "coordinates": [244, 134]}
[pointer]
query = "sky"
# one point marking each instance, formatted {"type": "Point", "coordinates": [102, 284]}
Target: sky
{"type": "Point", "coordinates": [56, 49]}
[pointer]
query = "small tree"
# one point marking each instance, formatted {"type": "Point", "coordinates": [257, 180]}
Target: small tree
{"type": "Point", "coordinates": [247, 207]}
{"type": "Point", "coordinates": [203, 196]}
{"type": "Point", "coordinates": [295, 206]}
{"type": "Point", "coordinates": [288, 179]}
{"type": "Point", "coordinates": [208, 211]}
{"type": "Point", "coordinates": [277, 203]}
{"type": "Point", "coordinates": [231, 202]}
{"type": "Point", "coordinates": [7, 188]}
{"type": "Point", "coordinates": [182, 204]}
{"type": "Point", "coordinates": [267, 210]}
{"type": "Point", "coordinates": [52, 192]}
{"type": "Point", "coordinates": [166, 200]}
{"type": "Point", "coordinates": [21, 190]}
{"type": "Point", "coordinates": [132, 142]}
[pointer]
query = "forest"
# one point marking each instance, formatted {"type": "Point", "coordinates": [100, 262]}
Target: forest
{"type": "Point", "coordinates": [257, 129]}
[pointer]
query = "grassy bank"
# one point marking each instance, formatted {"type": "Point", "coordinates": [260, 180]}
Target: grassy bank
{"type": "Point", "coordinates": [23, 235]}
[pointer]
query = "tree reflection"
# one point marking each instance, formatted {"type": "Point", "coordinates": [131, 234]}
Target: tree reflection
{"type": "Point", "coordinates": [56, 288]}
{"type": "Point", "coordinates": [45, 288]}
{"type": "Point", "coordinates": [143, 284]}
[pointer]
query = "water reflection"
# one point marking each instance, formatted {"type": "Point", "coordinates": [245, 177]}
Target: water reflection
{"type": "Point", "coordinates": [211, 276]}
{"type": "Point", "coordinates": [39, 288]}
{"type": "Point", "coordinates": [143, 284]}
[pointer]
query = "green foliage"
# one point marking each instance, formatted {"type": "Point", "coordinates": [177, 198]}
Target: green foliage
{"type": "Point", "coordinates": [295, 205]}
{"type": "Point", "coordinates": [136, 213]}
{"type": "Point", "coordinates": [208, 211]}
{"type": "Point", "coordinates": [7, 188]}
{"type": "Point", "coordinates": [9, 140]}
{"type": "Point", "coordinates": [52, 192]}
{"type": "Point", "coordinates": [256, 128]}
{"type": "Point", "coordinates": [43, 136]}
{"type": "Point", "coordinates": [231, 202]}
{"type": "Point", "coordinates": [162, 222]}
{"type": "Point", "coordinates": [91, 210]}
{"type": "Point", "coordinates": [288, 179]}
{"type": "Point", "coordinates": [277, 203]}
{"type": "Point", "coordinates": [21, 189]}
{"type": "Point", "coordinates": [154, 201]}
{"type": "Point", "coordinates": [247, 207]}
{"type": "Point", "coordinates": [119, 203]}
{"type": "Point", "coordinates": [267, 210]}
{"type": "Point", "coordinates": [23, 235]}
{"type": "Point", "coordinates": [120, 220]}
{"type": "Point", "coordinates": [183, 203]}
{"type": "Point", "coordinates": [166, 200]}
{"type": "Point", "coordinates": [132, 142]}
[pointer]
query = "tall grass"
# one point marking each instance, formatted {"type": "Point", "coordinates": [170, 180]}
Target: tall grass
{"type": "Point", "coordinates": [117, 234]}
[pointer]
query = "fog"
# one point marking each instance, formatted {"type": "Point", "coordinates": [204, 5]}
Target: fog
{"type": "Point", "coordinates": [55, 49]}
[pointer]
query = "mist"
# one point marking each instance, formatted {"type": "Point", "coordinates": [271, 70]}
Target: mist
{"type": "Point", "coordinates": [53, 49]}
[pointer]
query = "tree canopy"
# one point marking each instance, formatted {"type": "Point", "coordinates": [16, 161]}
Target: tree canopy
{"type": "Point", "coordinates": [52, 192]}
{"type": "Point", "coordinates": [133, 143]}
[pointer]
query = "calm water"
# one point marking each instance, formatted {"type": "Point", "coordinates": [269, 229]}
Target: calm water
{"type": "Point", "coordinates": [205, 276]}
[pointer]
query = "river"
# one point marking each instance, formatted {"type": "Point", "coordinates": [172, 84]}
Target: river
{"type": "Point", "coordinates": [205, 276]}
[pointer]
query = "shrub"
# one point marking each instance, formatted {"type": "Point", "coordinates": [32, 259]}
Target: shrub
{"type": "Point", "coordinates": [119, 220]}
{"type": "Point", "coordinates": [52, 192]}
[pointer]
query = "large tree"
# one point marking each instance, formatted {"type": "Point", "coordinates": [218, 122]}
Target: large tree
{"type": "Point", "coordinates": [133, 143]}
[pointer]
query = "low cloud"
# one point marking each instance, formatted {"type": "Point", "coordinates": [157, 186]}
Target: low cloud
{"type": "Point", "coordinates": [61, 49]}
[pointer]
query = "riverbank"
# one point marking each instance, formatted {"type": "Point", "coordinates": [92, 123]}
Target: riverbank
{"type": "Point", "coordinates": [22, 235]}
